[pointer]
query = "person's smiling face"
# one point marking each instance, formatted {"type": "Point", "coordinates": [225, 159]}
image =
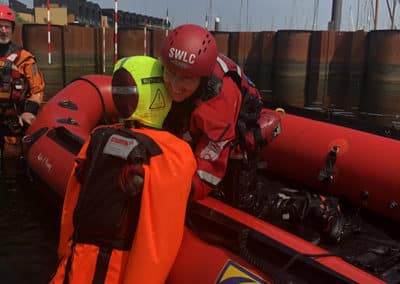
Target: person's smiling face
{"type": "Point", "coordinates": [180, 87]}
{"type": "Point", "coordinates": [6, 32]}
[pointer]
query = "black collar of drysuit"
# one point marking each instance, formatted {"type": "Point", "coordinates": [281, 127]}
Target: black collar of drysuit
{"type": "Point", "coordinates": [7, 48]}
{"type": "Point", "coordinates": [4, 49]}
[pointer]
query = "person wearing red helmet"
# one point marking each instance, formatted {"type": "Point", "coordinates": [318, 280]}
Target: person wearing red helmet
{"type": "Point", "coordinates": [219, 111]}
{"type": "Point", "coordinates": [21, 85]}
{"type": "Point", "coordinates": [207, 97]}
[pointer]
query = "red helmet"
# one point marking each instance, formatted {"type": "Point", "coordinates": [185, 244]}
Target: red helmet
{"type": "Point", "coordinates": [190, 50]}
{"type": "Point", "coordinates": [7, 14]}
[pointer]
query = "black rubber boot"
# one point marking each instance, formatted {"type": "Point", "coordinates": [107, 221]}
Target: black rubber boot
{"type": "Point", "coordinates": [325, 215]}
{"type": "Point", "coordinates": [322, 213]}
{"type": "Point", "coordinates": [288, 205]}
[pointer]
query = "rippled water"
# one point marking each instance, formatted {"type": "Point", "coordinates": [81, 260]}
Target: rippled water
{"type": "Point", "coordinates": [28, 233]}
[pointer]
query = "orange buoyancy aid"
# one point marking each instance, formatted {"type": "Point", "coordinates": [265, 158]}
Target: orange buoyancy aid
{"type": "Point", "coordinates": [20, 78]}
{"type": "Point", "coordinates": [160, 224]}
{"type": "Point", "coordinates": [12, 82]}
{"type": "Point", "coordinates": [28, 67]}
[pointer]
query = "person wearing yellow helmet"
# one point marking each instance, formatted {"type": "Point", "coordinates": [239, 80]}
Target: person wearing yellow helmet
{"type": "Point", "coordinates": [126, 196]}
{"type": "Point", "coordinates": [153, 105]}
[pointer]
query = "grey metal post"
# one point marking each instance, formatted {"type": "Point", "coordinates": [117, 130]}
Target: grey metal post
{"type": "Point", "coordinates": [336, 16]}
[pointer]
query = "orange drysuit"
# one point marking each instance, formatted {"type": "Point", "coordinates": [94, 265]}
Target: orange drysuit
{"type": "Point", "coordinates": [159, 231]}
{"type": "Point", "coordinates": [28, 67]}
{"type": "Point", "coordinates": [22, 80]}
{"type": "Point", "coordinates": [21, 90]}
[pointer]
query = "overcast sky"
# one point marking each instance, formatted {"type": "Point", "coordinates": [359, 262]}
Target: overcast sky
{"type": "Point", "coordinates": [258, 15]}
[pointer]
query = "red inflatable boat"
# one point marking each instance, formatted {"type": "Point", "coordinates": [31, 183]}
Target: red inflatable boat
{"type": "Point", "coordinates": [63, 125]}
{"type": "Point", "coordinates": [225, 245]}
{"type": "Point", "coordinates": [339, 161]}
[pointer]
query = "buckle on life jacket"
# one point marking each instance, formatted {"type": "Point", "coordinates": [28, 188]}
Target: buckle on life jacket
{"type": "Point", "coordinates": [4, 95]}
{"type": "Point", "coordinates": [214, 86]}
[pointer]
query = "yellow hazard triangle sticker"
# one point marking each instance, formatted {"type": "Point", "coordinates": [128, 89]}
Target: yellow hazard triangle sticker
{"type": "Point", "coordinates": [158, 101]}
{"type": "Point", "coordinates": [233, 273]}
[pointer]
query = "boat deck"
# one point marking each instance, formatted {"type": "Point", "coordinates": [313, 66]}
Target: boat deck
{"type": "Point", "coordinates": [29, 234]}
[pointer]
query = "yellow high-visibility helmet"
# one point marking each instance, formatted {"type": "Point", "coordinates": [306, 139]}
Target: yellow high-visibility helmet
{"type": "Point", "coordinates": [139, 92]}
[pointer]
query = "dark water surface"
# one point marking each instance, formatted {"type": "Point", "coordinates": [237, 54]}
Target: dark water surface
{"type": "Point", "coordinates": [28, 232]}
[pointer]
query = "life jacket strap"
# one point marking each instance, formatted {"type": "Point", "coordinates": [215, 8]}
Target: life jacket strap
{"type": "Point", "coordinates": [103, 259]}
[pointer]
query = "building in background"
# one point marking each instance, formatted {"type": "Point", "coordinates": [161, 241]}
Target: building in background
{"type": "Point", "coordinates": [59, 15]}
{"type": "Point", "coordinates": [133, 20]}
{"type": "Point", "coordinates": [82, 12]}
{"type": "Point", "coordinates": [23, 13]}
{"type": "Point", "coordinates": [20, 7]}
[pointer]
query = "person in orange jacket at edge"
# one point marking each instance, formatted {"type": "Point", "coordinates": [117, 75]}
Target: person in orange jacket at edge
{"type": "Point", "coordinates": [219, 111]}
{"type": "Point", "coordinates": [21, 86]}
{"type": "Point", "coordinates": [125, 203]}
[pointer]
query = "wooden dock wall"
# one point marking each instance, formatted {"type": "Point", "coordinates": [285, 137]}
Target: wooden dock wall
{"type": "Point", "coordinates": [356, 73]}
